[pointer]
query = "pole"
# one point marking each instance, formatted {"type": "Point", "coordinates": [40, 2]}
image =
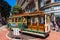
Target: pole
{"type": "Point", "coordinates": [20, 27]}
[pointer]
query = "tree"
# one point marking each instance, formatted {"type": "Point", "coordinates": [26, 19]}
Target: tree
{"type": "Point", "coordinates": [5, 8]}
{"type": "Point", "coordinates": [17, 9]}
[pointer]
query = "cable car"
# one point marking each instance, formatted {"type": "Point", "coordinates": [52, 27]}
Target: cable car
{"type": "Point", "coordinates": [35, 23]}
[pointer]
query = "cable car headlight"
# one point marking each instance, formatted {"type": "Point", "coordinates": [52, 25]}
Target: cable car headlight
{"type": "Point", "coordinates": [13, 24]}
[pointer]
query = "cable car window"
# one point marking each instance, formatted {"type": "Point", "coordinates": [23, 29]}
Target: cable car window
{"type": "Point", "coordinates": [42, 20]}
{"type": "Point", "coordinates": [39, 20]}
{"type": "Point", "coordinates": [19, 19]}
{"type": "Point", "coordinates": [12, 19]}
{"type": "Point", "coordinates": [33, 21]}
{"type": "Point", "coordinates": [47, 20]}
{"type": "Point", "coordinates": [24, 19]}
{"type": "Point", "coordinates": [15, 19]}
{"type": "Point", "coordinates": [36, 20]}
{"type": "Point", "coordinates": [28, 20]}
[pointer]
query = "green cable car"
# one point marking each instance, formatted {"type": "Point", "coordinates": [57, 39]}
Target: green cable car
{"type": "Point", "coordinates": [35, 23]}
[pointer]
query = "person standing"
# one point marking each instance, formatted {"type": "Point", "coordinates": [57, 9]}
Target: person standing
{"type": "Point", "coordinates": [53, 20]}
{"type": "Point", "coordinates": [3, 21]}
{"type": "Point", "coordinates": [0, 20]}
{"type": "Point", "coordinates": [56, 26]}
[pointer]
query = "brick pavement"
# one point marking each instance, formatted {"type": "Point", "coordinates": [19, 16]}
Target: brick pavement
{"type": "Point", "coordinates": [53, 35]}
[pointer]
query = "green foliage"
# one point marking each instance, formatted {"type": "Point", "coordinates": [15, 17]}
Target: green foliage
{"type": "Point", "coordinates": [8, 25]}
{"type": "Point", "coordinates": [17, 9]}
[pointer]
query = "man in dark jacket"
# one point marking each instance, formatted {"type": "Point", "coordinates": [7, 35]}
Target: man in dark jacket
{"type": "Point", "coordinates": [3, 21]}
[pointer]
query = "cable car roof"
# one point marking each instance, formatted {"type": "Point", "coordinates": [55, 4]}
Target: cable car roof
{"type": "Point", "coordinates": [30, 14]}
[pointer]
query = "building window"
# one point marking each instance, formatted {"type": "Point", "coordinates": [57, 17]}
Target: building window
{"type": "Point", "coordinates": [42, 3]}
{"type": "Point", "coordinates": [48, 1]}
{"type": "Point", "coordinates": [23, 2]}
{"type": "Point", "coordinates": [48, 9]}
{"type": "Point", "coordinates": [58, 13]}
{"type": "Point", "coordinates": [56, 7]}
{"type": "Point", "coordinates": [57, 0]}
{"type": "Point", "coordinates": [32, 8]}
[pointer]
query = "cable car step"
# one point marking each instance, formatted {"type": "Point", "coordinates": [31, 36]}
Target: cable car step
{"type": "Point", "coordinates": [35, 31]}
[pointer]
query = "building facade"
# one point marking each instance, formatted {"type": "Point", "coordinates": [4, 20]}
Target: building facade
{"type": "Point", "coordinates": [29, 5]}
{"type": "Point", "coordinates": [51, 6]}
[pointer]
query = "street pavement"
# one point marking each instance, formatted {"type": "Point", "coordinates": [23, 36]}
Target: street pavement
{"type": "Point", "coordinates": [53, 35]}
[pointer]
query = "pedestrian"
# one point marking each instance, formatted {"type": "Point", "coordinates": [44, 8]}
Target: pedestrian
{"type": "Point", "coordinates": [0, 22]}
{"type": "Point", "coordinates": [58, 23]}
{"type": "Point", "coordinates": [56, 27]}
{"type": "Point", "coordinates": [3, 21]}
{"type": "Point", "coordinates": [53, 23]}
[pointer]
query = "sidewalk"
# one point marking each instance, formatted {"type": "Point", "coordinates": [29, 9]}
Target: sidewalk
{"type": "Point", "coordinates": [54, 36]}
{"type": "Point", "coordinates": [3, 32]}
{"type": "Point", "coordinates": [3, 27]}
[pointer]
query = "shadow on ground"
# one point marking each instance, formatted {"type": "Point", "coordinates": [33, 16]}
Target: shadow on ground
{"type": "Point", "coordinates": [35, 36]}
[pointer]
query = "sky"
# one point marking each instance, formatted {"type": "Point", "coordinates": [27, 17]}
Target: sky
{"type": "Point", "coordinates": [11, 2]}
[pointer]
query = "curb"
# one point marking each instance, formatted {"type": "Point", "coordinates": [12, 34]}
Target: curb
{"type": "Point", "coordinates": [8, 37]}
